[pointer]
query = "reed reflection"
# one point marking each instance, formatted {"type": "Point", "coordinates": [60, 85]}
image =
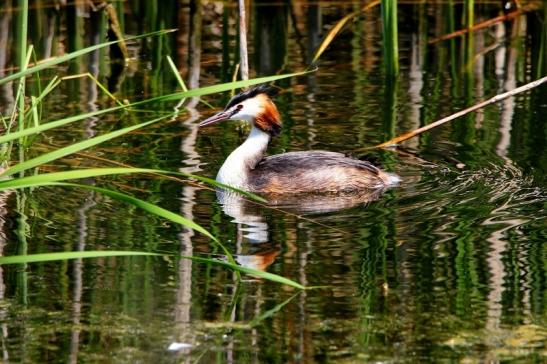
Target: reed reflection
{"type": "Point", "coordinates": [6, 90]}
{"type": "Point", "coordinates": [271, 36]}
{"type": "Point", "coordinates": [444, 264]}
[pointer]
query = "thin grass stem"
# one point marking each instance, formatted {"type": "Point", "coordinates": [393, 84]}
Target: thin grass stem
{"type": "Point", "coordinates": [22, 44]}
{"type": "Point", "coordinates": [100, 85]}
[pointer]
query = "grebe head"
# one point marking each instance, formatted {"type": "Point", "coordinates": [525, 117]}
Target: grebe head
{"type": "Point", "coordinates": [254, 106]}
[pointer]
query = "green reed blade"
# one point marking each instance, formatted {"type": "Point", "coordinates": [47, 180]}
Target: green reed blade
{"type": "Point", "coordinates": [40, 179]}
{"type": "Point", "coordinates": [22, 24]}
{"type": "Point", "coordinates": [49, 257]}
{"type": "Point", "coordinates": [50, 178]}
{"type": "Point", "coordinates": [156, 210]}
{"type": "Point", "coordinates": [146, 206]}
{"type": "Point", "coordinates": [20, 97]}
{"type": "Point", "coordinates": [390, 37]}
{"type": "Point", "coordinates": [55, 124]}
{"type": "Point", "coordinates": [221, 88]}
{"type": "Point", "coordinates": [177, 74]}
{"type": "Point", "coordinates": [62, 152]}
{"type": "Point", "coordinates": [271, 312]}
{"type": "Point", "coordinates": [66, 57]}
{"type": "Point", "coordinates": [254, 272]}
{"type": "Point", "coordinates": [181, 81]}
{"type": "Point", "coordinates": [49, 87]}
{"type": "Point", "coordinates": [24, 59]}
{"type": "Point", "coordinates": [175, 96]}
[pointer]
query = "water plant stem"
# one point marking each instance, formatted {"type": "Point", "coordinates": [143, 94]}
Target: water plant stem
{"type": "Point", "coordinates": [333, 32]}
{"type": "Point", "coordinates": [390, 37]}
{"type": "Point", "coordinates": [485, 24]}
{"type": "Point", "coordinates": [22, 44]}
{"type": "Point", "coordinates": [480, 105]}
{"type": "Point", "coordinates": [244, 59]}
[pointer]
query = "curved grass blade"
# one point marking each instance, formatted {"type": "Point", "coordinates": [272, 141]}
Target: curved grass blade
{"type": "Point", "coordinates": [146, 206]}
{"type": "Point", "coordinates": [226, 187]}
{"type": "Point", "coordinates": [337, 28]}
{"type": "Point", "coordinates": [221, 88]}
{"type": "Point", "coordinates": [254, 272]}
{"type": "Point", "coordinates": [39, 179]}
{"type": "Point", "coordinates": [272, 312]}
{"type": "Point", "coordinates": [332, 34]}
{"type": "Point", "coordinates": [151, 208]}
{"type": "Point", "coordinates": [62, 152]}
{"type": "Point", "coordinates": [177, 74]}
{"type": "Point", "coordinates": [67, 57]}
{"type": "Point", "coordinates": [54, 124]}
{"type": "Point", "coordinates": [175, 96]}
{"type": "Point", "coordinates": [96, 82]}
{"type": "Point", "coordinates": [37, 100]}
{"type": "Point", "coordinates": [48, 257]}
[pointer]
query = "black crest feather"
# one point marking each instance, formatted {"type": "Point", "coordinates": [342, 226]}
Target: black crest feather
{"type": "Point", "coordinates": [275, 130]}
{"type": "Point", "coordinates": [250, 93]}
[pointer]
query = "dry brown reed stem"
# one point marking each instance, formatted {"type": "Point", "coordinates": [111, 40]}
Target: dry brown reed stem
{"type": "Point", "coordinates": [480, 105]}
{"type": "Point", "coordinates": [244, 61]}
{"type": "Point", "coordinates": [486, 24]}
{"type": "Point", "coordinates": [338, 27]}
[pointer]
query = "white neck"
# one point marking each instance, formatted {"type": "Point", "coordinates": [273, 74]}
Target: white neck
{"type": "Point", "coordinates": [236, 167]}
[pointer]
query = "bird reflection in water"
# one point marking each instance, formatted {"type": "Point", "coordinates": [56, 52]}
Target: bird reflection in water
{"type": "Point", "coordinates": [253, 234]}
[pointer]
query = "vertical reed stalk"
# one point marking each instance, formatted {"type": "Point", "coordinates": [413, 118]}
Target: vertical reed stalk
{"type": "Point", "coordinates": [468, 23]}
{"type": "Point", "coordinates": [390, 37]}
{"type": "Point", "coordinates": [194, 44]}
{"type": "Point", "coordinates": [469, 13]}
{"type": "Point", "coordinates": [119, 6]}
{"type": "Point", "coordinates": [244, 67]}
{"type": "Point", "coordinates": [225, 70]}
{"type": "Point", "coordinates": [22, 61]}
{"type": "Point", "coordinates": [451, 23]}
{"type": "Point", "coordinates": [541, 69]}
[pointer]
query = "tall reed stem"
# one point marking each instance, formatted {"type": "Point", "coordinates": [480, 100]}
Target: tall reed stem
{"type": "Point", "coordinates": [480, 105]}
{"type": "Point", "coordinates": [22, 44]}
{"type": "Point", "coordinates": [469, 20]}
{"type": "Point", "coordinates": [390, 37]}
{"type": "Point", "coordinates": [244, 65]}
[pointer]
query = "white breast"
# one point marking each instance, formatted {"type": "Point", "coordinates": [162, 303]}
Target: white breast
{"type": "Point", "coordinates": [235, 170]}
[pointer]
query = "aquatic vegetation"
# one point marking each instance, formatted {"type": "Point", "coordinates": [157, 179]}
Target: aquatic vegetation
{"type": "Point", "coordinates": [26, 128]}
{"type": "Point", "coordinates": [449, 266]}
{"type": "Point", "coordinates": [390, 36]}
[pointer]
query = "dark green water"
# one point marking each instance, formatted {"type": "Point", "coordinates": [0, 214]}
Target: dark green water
{"type": "Point", "coordinates": [451, 266]}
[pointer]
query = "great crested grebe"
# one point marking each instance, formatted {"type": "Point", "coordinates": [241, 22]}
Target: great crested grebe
{"type": "Point", "coordinates": [246, 167]}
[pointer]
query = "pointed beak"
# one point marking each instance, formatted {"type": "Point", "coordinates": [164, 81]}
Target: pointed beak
{"type": "Point", "coordinates": [223, 115]}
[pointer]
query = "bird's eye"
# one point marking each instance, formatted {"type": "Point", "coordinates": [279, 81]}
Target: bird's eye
{"type": "Point", "coordinates": [239, 107]}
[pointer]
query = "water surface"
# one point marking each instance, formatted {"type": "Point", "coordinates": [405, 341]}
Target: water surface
{"type": "Point", "coordinates": [451, 265]}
